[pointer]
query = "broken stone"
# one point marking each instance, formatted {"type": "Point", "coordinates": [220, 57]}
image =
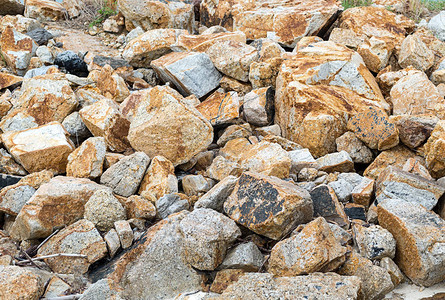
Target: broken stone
{"type": "Point", "coordinates": [8, 165]}
{"type": "Point", "coordinates": [406, 192]}
{"type": "Point", "coordinates": [103, 209]}
{"type": "Point", "coordinates": [390, 266]}
{"type": "Point", "coordinates": [202, 42]}
{"type": "Point", "coordinates": [415, 130]}
{"type": "Point", "coordinates": [374, 242]}
{"type": "Point", "coordinates": [159, 179]}
{"type": "Point", "coordinates": [434, 151]}
{"type": "Point", "coordinates": [287, 205]}
{"type": "Point", "coordinates": [245, 256]}
{"type": "Point", "coordinates": [258, 106]}
{"type": "Point", "coordinates": [342, 189]}
{"type": "Point", "coordinates": [124, 232]}
{"type": "Point", "coordinates": [376, 53]}
{"type": "Point", "coordinates": [224, 278]}
{"type": "Point", "coordinates": [170, 204]}
{"type": "Point", "coordinates": [194, 185]}
{"type": "Point", "coordinates": [18, 282]}
{"type": "Point", "coordinates": [336, 162]}
{"type": "Point", "coordinates": [301, 159]}
{"type": "Point", "coordinates": [326, 205]}
{"type": "Point", "coordinates": [44, 10]}
{"type": "Point", "coordinates": [415, 53]}
{"type": "Point", "coordinates": [112, 85]}
{"type": "Point", "coordinates": [139, 207]}
{"type": "Point", "coordinates": [356, 149]}
{"type": "Point", "coordinates": [234, 132]}
{"type": "Point", "coordinates": [362, 193]}
{"type": "Point", "coordinates": [17, 49]}
{"type": "Point", "coordinates": [218, 194]}
{"type": "Point", "coordinates": [220, 108]}
{"type": "Point", "coordinates": [87, 160]}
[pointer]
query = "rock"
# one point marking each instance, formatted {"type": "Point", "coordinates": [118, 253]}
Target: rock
{"type": "Point", "coordinates": [163, 125]}
{"type": "Point", "coordinates": [44, 10]}
{"type": "Point", "coordinates": [437, 27]}
{"type": "Point", "coordinates": [202, 42]}
{"type": "Point", "coordinates": [264, 73]}
{"type": "Point", "coordinates": [125, 176]}
{"type": "Point", "coordinates": [170, 204]}
{"type": "Point", "coordinates": [287, 205]}
{"type": "Point", "coordinates": [403, 191]}
{"type": "Point", "coordinates": [390, 266]}
{"type": "Point", "coordinates": [415, 130]}
{"type": "Point", "coordinates": [222, 168]}
{"type": "Point", "coordinates": [233, 58]}
{"type": "Point", "coordinates": [355, 212]}
{"type": "Point", "coordinates": [245, 256]}
{"type": "Point", "coordinates": [112, 85]}
{"type": "Point", "coordinates": [76, 128]}
{"type": "Point", "coordinates": [415, 53]}
{"type": "Point", "coordinates": [434, 151]}
{"type": "Point", "coordinates": [258, 106]}
{"type": "Point", "coordinates": [191, 73]}
{"type": "Point", "coordinates": [140, 208]}
{"type": "Point", "coordinates": [258, 21]}
{"type": "Point", "coordinates": [376, 281]}
{"type": "Point", "coordinates": [336, 162]}
{"type": "Point", "coordinates": [313, 249]}
{"type": "Point", "coordinates": [113, 243]}
{"type": "Point", "coordinates": [78, 238]}
{"type": "Point", "coordinates": [224, 278]}
{"type": "Point", "coordinates": [17, 49]}
{"type": "Point", "coordinates": [40, 35]}
{"type": "Point", "coordinates": [362, 193]}
{"type": "Point", "coordinates": [8, 164]}
{"type": "Point", "coordinates": [218, 194]}
{"type": "Point", "coordinates": [301, 159]}
{"type": "Point", "coordinates": [160, 250]}
{"type": "Point", "coordinates": [13, 198]}
{"type": "Point", "coordinates": [103, 209]}
{"type": "Point", "coordinates": [234, 132]}
{"type": "Point", "coordinates": [413, 166]}
{"type": "Point", "coordinates": [45, 147]}
{"type": "Point", "coordinates": [74, 7]}
{"type": "Point", "coordinates": [7, 80]}
{"type": "Point", "coordinates": [45, 99]}
{"type": "Point", "coordinates": [195, 185]}
{"type": "Point", "coordinates": [5, 104]}
{"type": "Point", "coordinates": [230, 84]}
{"type": "Point", "coordinates": [157, 14]}
{"type": "Point", "coordinates": [68, 195]}
{"type": "Point", "coordinates": [207, 235]}
{"type": "Point", "coordinates": [356, 149]}
{"type": "Point", "coordinates": [56, 287]}
{"type": "Point", "coordinates": [342, 189]}
{"type": "Point", "coordinates": [374, 242]}
{"type": "Point", "coordinates": [149, 46]}
{"type": "Point", "coordinates": [415, 94]}
{"type": "Point", "coordinates": [220, 108]}
{"type": "Point", "coordinates": [373, 127]}
{"type": "Point", "coordinates": [124, 232]}
{"type": "Point", "coordinates": [420, 239]}
{"type": "Point", "coordinates": [87, 160]}
{"type": "Point", "coordinates": [12, 7]}
{"type": "Point", "coordinates": [104, 119]}
{"type": "Point", "coordinates": [159, 179]}
{"type": "Point", "coordinates": [45, 55]}
{"type": "Point", "coordinates": [376, 52]}
{"type": "Point", "coordinates": [20, 283]}
{"type": "Point", "coordinates": [314, 286]}
{"type": "Point", "coordinates": [326, 204]}
{"type": "Point", "coordinates": [340, 234]}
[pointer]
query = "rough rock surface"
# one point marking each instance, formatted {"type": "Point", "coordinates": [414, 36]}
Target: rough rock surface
{"type": "Point", "coordinates": [20, 283]}
{"type": "Point", "coordinates": [87, 160]}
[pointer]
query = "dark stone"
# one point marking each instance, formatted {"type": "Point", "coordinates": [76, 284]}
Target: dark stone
{"type": "Point", "coordinates": [327, 205]}
{"type": "Point", "coordinates": [40, 35]}
{"type": "Point", "coordinates": [71, 63]}
{"type": "Point", "coordinates": [6, 180]}
{"type": "Point", "coordinates": [355, 211]}
{"type": "Point", "coordinates": [11, 7]}
{"type": "Point", "coordinates": [115, 63]}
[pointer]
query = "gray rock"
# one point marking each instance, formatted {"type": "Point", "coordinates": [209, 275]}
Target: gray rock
{"type": "Point", "coordinates": [20, 283]}
{"type": "Point", "coordinates": [123, 230]}
{"type": "Point", "coordinates": [336, 162]}
{"type": "Point", "coordinates": [113, 242]}
{"type": "Point", "coordinates": [341, 235]}
{"type": "Point", "coordinates": [374, 242]}
{"type": "Point", "coordinates": [301, 158]}
{"type": "Point", "coordinates": [40, 35]}
{"type": "Point", "coordinates": [207, 235]}
{"type": "Point", "coordinates": [45, 55]}
{"type": "Point", "coordinates": [358, 151]}
{"type": "Point", "coordinates": [353, 179]}
{"type": "Point", "coordinates": [254, 286]}
{"type": "Point", "coordinates": [37, 71]}
{"type": "Point", "coordinates": [245, 256]}
{"type": "Point", "coordinates": [99, 290]}
{"type": "Point", "coordinates": [406, 192]}
{"type": "Point", "coordinates": [216, 196]}
{"type": "Point", "coordinates": [14, 199]}
{"type": "Point", "coordinates": [258, 106]}
{"type": "Point", "coordinates": [437, 26]}
{"type": "Point", "coordinates": [343, 189]}
{"type": "Point", "coordinates": [125, 176]}
{"type": "Point", "coordinates": [103, 209]}
{"type": "Point", "coordinates": [194, 185]}
{"type": "Point", "coordinates": [134, 34]}
{"type": "Point", "coordinates": [76, 128]}
{"type": "Point", "coordinates": [191, 73]}
{"type": "Point", "coordinates": [170, 204]}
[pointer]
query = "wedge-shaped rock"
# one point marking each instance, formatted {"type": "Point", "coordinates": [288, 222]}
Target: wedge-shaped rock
{"type": "Point", "coordinates": [267, 205]}
{"type": "Point", "coordinates": [159, 179]}
{"type": "Point", "coordinates": [112, 85]}
{"type": "Point", "coordinates": [220, 108]}
{"type": "Point", "coordinates": [157, 14]}
{"type": "Point", "coordinates": [87, 160]}
{"type": "Point", "coordinates": [56, 203]}
{"type": "Point", "coordinates": [326, 204]}
{"type": "Point", "coordinates": [375, 52]}
{"type": "Point", "coordinates": [336, 162]}
{"type": "Point", "coordinates": [6, 80]}
{"type": "Point", "coordinates": [374, 242]}
{"type": "Point", "coordinates": [415, 130]}
{"type": "Point", "coordinates": [43, 148]}
{"type": "Point", "coordinates": [245, 256]}
{"type": "Point", "coordinates": [163, 125]}
{"type": "Point", "coordinates": [191, 72]}
{"type": "Point", "coordinates": [104, 119]}
{"type": "Point", "coordinates": [258, 106]}
{"type": "Point", "coordinates": [420, 236]}
{"type": "Point", "coordinates": [311, 250]}
{"type": "Point", "coordinates": [17, 49]}
{"type": "Point", "coordinates": [356, 149]}
{"type": "Point", "coordinates": [207, 236]}
{"type": "Point", "coordinates": [149, 46]}
{"type": "Point", "coordinates": [285, 23]}
{"type": "Point", "coordinates": [78, 238]}
{"type": "Point", "coordinates": [253, 286]}
{"type": "Point", "coordinates": [202, 42]}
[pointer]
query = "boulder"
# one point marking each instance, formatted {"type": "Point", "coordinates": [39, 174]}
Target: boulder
{"type": "Point", "coordinates": [202, 42]}
{"type": "Point", "coordinates": [406, 192]}
{"type": "Point", "coordinates": [436, 25]}
{"type": "Point", "coordinates": [125, 176]}
{"type": "Point", "coordinates": [103, 209]}
{"type": "Point", "coordinates": [221, 108]}
{"type": "Point", "coordinates": [43, 148]}
{"type": "Point", "coordinates": [196, 185]}
{"type": "Point", "coordinates": [415, 130]}
{"type": "Point", "coordinates": [71, 63]}
{"type": "Point", "coordinates": [420, 237]}
{"type": "Point", "coordinates": [356, 149]}
{"type": "Point", "coordinates": [140, 208]}
{"type": "Point", "coordinates": [20, 283]}
{"type": "Point", "coordinates": [12, 7]}
{"type": "Point", "coordinates": [87, 160]}
{"type": "Point", "coordinates": [190, 72]}
{"type": "Point", "coordinates": [326, 204]}
{"type": "Point", "coordinates": [78, 238]}
{"type": "Point", "coordinates": [376, 52]}
{"type": "Point", "coordinates": [336, 162]}
{"type": "Point", "coordinates": [7, 80]}
{"type": "Point", "coordinates": [19, 23]}
{"type": "Point", "coordinates": [56, 203]}
{"type": "Point", "coordinates": [224, 278]}
{"type": "Point", "coordinates": [245, 256]}
{"type": "Point", "coordinates": [17, 49]}
{"type": "Point", "coordinates": [8, 165]}
{"type": "Point", "coordinates": [44, 10]}
{"type": "Point", "coordinates": [434, 151]}
{"type": "Point", "coordinates": [159, 179]}
{"type": "Point", "coordinates": [301, 159]}
{"type": "Point", "coordinates": [218, 194]}
{"type": "Point", "coordinates": [415, 53]}
{"type": "Point", "coordinates": [267, 205]}
{"type": "Point", "coordinates": [163, 125]}
{"type": "Point", "coordinates": [112, 85]}
{"type": "Point", "coordinates": [363, 193]}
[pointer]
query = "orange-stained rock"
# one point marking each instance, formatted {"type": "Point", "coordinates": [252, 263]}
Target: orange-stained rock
{"type": "Point", "coordinates": [112, 85]}
{"type": "Point", "coordinates": [387, 78]}
{"type": "Point", "coordinates": [415, 53]}
{"type": "Point", "coordinates": [222, 167]}
{"type": "Point", "coordinates": [56, 203]}
{"type": "Point", "coordinates": [363, 192]}
{"type": "Point", "coordinates": [43, 148]}
{"type": "Point", "coordinates": [163, 125]}
{"type": "Point", "coordinates": [376, 53]}
{"type": "Point", "coordinates": [374, 128]}
{"type": "Point", "coordinates": [396, 156]}
{"type": "Point", "coordinates": [19, 23]}
{"type": "Point", "coordinates": [435, 151]}
{"type": "Point", "coordinates": [230, 84]}
{"type": "Point", "coordinates": [346, 37]}
{"type": "Point", "coordinates": [220, 108]}
{"type": "Point", "coordinates": [44, 10]}
{"type": "Point", "coordinates": [284, 22]}
{"type": "Point", "coordinates": [6, 80]}
{"type": "Point", "coordinates": [415, 94]}
{"type": "Point", "coordinates": [202, 42]}
{"type": "Point", "coordinates": [104, 119]}
{"type": "Point", "coordinates": [20, 283]}
{"type": "Point", "coordinates": [17, 49]}
{"type": "Point", "coordinates": [267, 205]}
{"type": "Point", "coordinates": [5, 104]}
{"type": "Point", "coordinates": [78, 238]}
{"type": "Point", "coordinates": [139, 207]}
{"type": "Point", "coordinates": [87, 160]}
{"type": "Point", "coordinates": [159, 179]}
{"type": "Point", "coordinates": [420, 236]}
{"type": "Point", "coordinates": [224, 278]}
{"type": "Point", "coordinates": [264, 73]}
{"type": "Point", "coordinates": [313, 249]}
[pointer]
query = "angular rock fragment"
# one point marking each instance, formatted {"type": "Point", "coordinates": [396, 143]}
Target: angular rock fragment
{"type": "Point", "coordinates": [414, 52]}
{"type": "Point", "coordinates": [376, 53]}
{"type": "Point", "coordinates": [224, 278]}
{"type": "Point", "coordinates": [362, 193]}
{"type": "Point", "coordinates": [17, 49]}
{"type": "Point", "coordinates": [258, 106]}
{"type": "Point", "coordinates": [220, 108]}
{"type": "Point", "coordinates": [103, 209]}
{"type": "Point", "coordinates": [415, 130]}
{"type": "Point", "coordinates": [170, 204]}
{"type": "Point", "coordinates": [245, 256]}
{"type": "Point", "coordinates": [112, 85]}
{"type": "Point", "coordinates": [403, 191]}
{"type": "Point", "coordinates": [20, 283]}
{"type": "Point", "coordinates": [326, 205]}
{"type": "Point", "coordinates": [336, 162]}
{"type": "Point", "coordinates": [8, 165]}
{"type": "Point", "coordinates": [123, 230]}
{"type": "Point", "coordinates": [356, 149]}
{"type": "Point", "coordinates": [44, 10]}
{"type": "Point", "coordinates": [195, 185]}
{"type": "Point", "coordinates": [218, 194]}
{"type": "Point", "coordinates": [159, 179]}
{"type": "Point", "coordinates": [202, 42]}
{"type": "Point", "coordinates": [374, 242]}
{"type": "Point", "coordinates": [87, 160]}
{"type": "Point", "coordinates": [434, 151]}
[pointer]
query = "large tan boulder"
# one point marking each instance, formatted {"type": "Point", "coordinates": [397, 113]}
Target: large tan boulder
{"type": "Point", "coordinates": [44, 10]}
{"type": "Point", "coordinates": [20, 283]}
{"type": "Point", "coordinates": [88, 159]}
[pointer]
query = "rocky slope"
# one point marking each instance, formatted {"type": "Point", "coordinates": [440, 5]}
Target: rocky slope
{"type": "Point", "coordinates": [221, 150]}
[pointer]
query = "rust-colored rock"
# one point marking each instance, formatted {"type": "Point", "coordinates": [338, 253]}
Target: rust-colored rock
{"type": "Point", "coordinates": [159, 179]}
{"type": "Point", "coordinates": [44, 10]}
{"type": "Point", "coordinates": [112, 85]}
{"type": "Point", "coordinates": [87, 160]}
{"type": "Point", "coordinates": [220, 108]}
{"type": "Point", "coordinates": [200, 43]}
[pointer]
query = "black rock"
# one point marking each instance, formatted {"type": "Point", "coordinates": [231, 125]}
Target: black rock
{"type": "Point", "coordinates": [6, 180]}
{"type": "Point", "coordinates": [71, 63]}
{"type": "Point", "coordinates": [40, 35]}
{"type": "Point", "coordinates": [115, 63]}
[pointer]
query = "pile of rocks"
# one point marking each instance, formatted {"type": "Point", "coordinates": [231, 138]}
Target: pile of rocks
{"type": "Point", "coordinates": [290, 150]}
